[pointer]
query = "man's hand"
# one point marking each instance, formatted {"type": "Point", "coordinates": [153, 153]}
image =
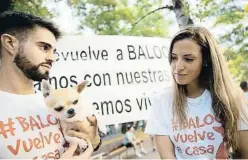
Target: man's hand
{"type": "Point", "coordinates": [86, 130]}
{"type": "Point", "coordinates": [84, 155]}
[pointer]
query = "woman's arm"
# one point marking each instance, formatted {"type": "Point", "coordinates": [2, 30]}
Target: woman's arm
{"type": "Point", "coordinates": [165, 147]}
{"type": "Point", "coordinates": [243, 144]}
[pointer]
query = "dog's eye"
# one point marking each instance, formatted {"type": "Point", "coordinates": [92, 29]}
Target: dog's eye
{"type": "Point", "coordinates": [75, 102]}
{"type": "Point", "coordinates": [59, 109]}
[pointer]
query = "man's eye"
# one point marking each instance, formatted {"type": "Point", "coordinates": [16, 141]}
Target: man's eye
{"type": "Point", "coordinates": [58, 109]}
{"type": "Point", "coordinates": [75, 102]}
{"type": "Point", "coordinates": [45, 48]}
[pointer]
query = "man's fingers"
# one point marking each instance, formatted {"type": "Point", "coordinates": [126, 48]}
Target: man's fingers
{"type": "Point", "coordinates": [89, 150]}
{"type": "Point", "coordinates": [87, 153]}
{"type": "Point", "coordinates": [70, 151]}
{"type": "Point", "coordinates": [92, 120]}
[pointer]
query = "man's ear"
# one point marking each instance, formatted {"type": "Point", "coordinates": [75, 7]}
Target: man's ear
{"type": "Point", "coordinates": [80, 87]}
{"type": "Point", "coordinates": [10, 43]}
{"type": "Point", "coordinates": [46, 88]}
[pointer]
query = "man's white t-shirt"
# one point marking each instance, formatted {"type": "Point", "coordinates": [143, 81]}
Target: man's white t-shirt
{"type": "Point", "coordinates": [27, 129]}
{"type": "Point", "coordinates": [128, 138]}
{"type": "Point", "coordinates": [200, 137]}
{"type": "Point", "coordinates": [246, 94]}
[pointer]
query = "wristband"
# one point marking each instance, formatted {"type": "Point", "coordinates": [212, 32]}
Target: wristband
{"type": "Point", "coordinates": [98, 146]}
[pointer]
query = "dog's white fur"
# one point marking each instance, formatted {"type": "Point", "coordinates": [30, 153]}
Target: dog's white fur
{"type": "Point", "coordinates": [61, 102]}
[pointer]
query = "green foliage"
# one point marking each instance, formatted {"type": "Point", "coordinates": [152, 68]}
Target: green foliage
{"type": "Point", "coordinates": [229, 13]}
{"type": "Point", "coordinates": [34, 7]}
{"type": "Point", "coordinates": [238, 64]}
{"type": "Point", "coordinates": [116, 17]}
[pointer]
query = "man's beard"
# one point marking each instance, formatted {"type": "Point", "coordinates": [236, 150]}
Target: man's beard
{"type": "Point", "coordinates": [30, 70]}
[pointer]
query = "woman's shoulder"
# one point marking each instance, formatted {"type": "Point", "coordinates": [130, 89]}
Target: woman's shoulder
{"type": "Point", "coordinates": [164, 93]}
{"type": "Point", "coordinates": [163, 98]}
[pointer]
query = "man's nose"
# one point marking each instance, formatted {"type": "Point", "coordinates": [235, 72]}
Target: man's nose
{"type": "Point", "coordinates": [51, 57]}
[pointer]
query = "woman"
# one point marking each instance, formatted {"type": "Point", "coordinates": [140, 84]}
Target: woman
{"type": "Point", "coordinates": [203, 115]}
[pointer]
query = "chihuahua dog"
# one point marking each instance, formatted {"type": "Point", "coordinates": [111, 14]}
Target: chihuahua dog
{"type": "Point", "coordinates": [68, 106]}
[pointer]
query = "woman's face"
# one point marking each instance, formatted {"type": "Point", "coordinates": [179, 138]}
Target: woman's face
{"type": "Point", "coordinates": [186, 62]}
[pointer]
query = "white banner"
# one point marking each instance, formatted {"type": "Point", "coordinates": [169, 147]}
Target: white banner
{"type": "Point", "coordinates": [122, 71]}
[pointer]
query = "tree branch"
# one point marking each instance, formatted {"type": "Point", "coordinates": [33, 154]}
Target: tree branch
{"type": "Point", "coordinates": [165, 7]}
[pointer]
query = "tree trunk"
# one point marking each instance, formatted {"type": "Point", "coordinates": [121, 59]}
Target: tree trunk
{"type": "Point", "coordinates": [182, 14]}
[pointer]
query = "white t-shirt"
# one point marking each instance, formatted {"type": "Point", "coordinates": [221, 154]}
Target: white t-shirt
{"type": "Point", "coordinates": [202, 135]}
{"type": "Point", "coordinates": [27, 130]}
{"type": "Point", "coordinates": [128, 137]}
{"type": "Point", "coordinates": [246, 94]}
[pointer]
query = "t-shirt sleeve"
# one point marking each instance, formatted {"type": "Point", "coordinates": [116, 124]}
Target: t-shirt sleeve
{"type": "Point", "coordinates": [157, 122]}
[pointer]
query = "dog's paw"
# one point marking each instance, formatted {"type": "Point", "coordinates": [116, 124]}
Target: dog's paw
{"type": "Point", "coordinates": [72, 140]}
{"type": "Point", "coordinates": [83, 144]}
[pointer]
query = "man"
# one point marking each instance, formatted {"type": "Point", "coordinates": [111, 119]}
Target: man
{"type": "Point", "coordinates": [244, 87]}
{"type": "Point", "coordinates": [27, 130]}
{"type": "Point", "coordinates": [130, 140]}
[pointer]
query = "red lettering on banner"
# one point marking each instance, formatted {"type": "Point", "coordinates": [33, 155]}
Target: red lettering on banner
{"type": "Point", "coordinates": [198, 123]}
{"type": "Point", "coordinates": [33, 123]}
{"type": "Point", "coordinates": [49, 120]}
{"type": "Point", "coordinates": [183, 138]}
{"type": "Point", "coordinates": [206, 118]}
{"type": "Point", "coordinates": [187, 151]}
{"type": "Point", "coordinates": [193, 137]}
{"type": "Point", "coordinates": [26, 149]}
{"type": "Point", "coordinates": [191, 123]}
{"type": "Point", "coordinates": [37, 143]}
{"type": "Point", "coordinates": [48, 139]}
{"type": "Point", "coordinates": [50, 155]}
{"type": "Point", "coordinates": [202, 150]}
{"type": "Point", "coordinates": [201, 136]}
{"type": "Point", "coordinates": [16, 150]}
{"type": "Point", "coordinates": [210, 136]}
{"type": "Point", "coordinates": [23, 123]}
{"type": "Point", "coordinates": [34, 143]}
{"type": "Point", "coordinates": [196, 135]}
{"type": "Point", "coordinates": [57, 138]}
{"type": "Point", "coordinates": [41, 123]}
{"type": "Point", "coordinates": [36, 122]}
{"type": "Point", "coordinates": [195, 150]}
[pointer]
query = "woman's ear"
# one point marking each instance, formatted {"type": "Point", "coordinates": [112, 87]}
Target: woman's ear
{"type": "Point", "coordinates": [10, 44]}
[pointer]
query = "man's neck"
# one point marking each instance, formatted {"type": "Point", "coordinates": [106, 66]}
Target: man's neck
{"type": "Point", "coordinates": [14, 81]}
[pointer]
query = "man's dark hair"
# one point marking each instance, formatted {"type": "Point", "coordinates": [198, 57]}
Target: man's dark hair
{"type": "Point", "coordinates": [129, 127]}
{"type": "Point", "coordinates": [19, 23]}
{"type": "Point", "coordinates": [243, 85]}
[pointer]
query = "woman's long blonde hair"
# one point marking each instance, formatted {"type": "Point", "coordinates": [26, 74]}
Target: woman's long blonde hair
{"type": "Point", "coordinates": [228, 100]}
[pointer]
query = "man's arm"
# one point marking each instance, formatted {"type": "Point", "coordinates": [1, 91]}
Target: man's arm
{"type": "Point", "coordinates": [165, 147]}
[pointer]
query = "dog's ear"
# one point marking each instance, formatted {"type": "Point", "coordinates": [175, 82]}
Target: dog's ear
{"type": "Point", "coordinates": [46, 88]}
{"type": "Point", "coordinates": [80, 87]}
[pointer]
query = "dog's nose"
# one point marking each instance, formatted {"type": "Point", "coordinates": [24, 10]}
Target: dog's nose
{"type": "Point", "coordinates": [71, 111]}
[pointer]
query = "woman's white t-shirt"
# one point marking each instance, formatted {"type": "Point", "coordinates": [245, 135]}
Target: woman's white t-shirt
{"type": "Point", "coordinates": [200, 137]}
